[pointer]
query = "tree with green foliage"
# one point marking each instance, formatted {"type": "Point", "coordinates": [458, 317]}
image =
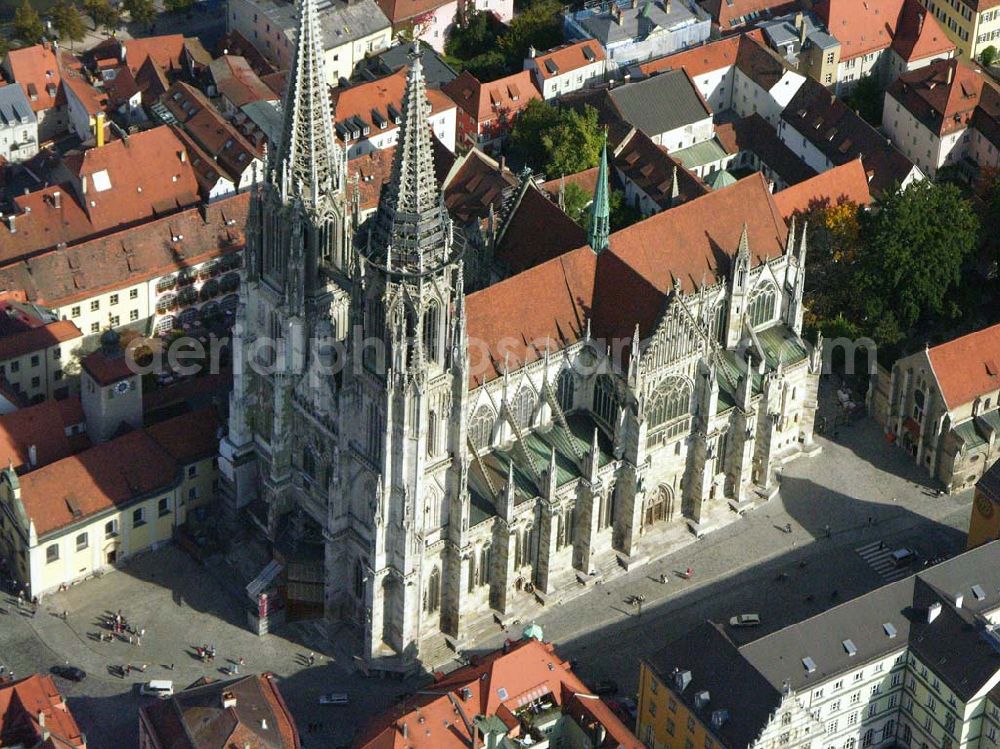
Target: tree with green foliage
{"type": "Point", "coordinates": [28, 26]}
{"type": "Point", "coordinates": [104, 14]}
{"type": "Point", "coordinates": [557, 141]}
{"type": "Point", "coordinates": [622, 214]}
{"type": "Point", "coordinates": [576, 204]}
{"type": "Point", "coordinates": [866, 99]}
{"type": "Point", "coordinates": [988, 56]}
{"type": "Point", "coordinates": [540, 26]}
{"type": "Point", "coordinates": [526, 138]}
{"type": "Point", "coordinates": [68, 22]}
{"type": "Point", "coordinates": [141, 12]}
{"type": "Point", "coordinates": [912, 252]}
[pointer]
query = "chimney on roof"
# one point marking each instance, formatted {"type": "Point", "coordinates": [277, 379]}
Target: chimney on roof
{"type": "Point", "coordinates": [123, 54]}
{"type": "Point", "coordinates": [920, 21]}
{"type": "Point", "coordinates": [183, 155]}
{"type": "Point", "coordinates": [802, 34]}
{"type": "Point", "coordinates": [532, 52]}
{"type": "Point", "coordinates": [56, 199]}
{"type": "Point", "coordinates": [228, 700]}
{"type": "Point", "coordinates": [405, 731]}
{"type": "Point", "coordinates": [951, 74]}
{"type": "Point", "coordinates": [41, 718]}
{"type": "Point", "coordinates": [32, 455]}
{"type": "Point", "coordinates": [933, 611]}
{"type": "Point", "coordinates": [799, 20]}
{"type": "Point", "coordinates": [263, 724]}
{"type": "Point", "coordinates": [959, 600]}
{"type": "Point", "coordinates": [11, 219]}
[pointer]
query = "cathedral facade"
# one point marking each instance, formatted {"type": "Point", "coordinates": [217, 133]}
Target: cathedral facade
{"type": "Point", "coordinates": [456, 458]}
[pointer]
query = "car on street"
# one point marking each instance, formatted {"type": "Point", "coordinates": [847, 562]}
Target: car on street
{"type": "Point", "coordinates": [903, 557]}
{"type": "Point", "coordinates": [161, 688]}
{"type": "Point", "coordinates": [745, 620]}
{"type": "Point", "coordinates": [70, 672]}
{"type": "Point", "coordinates": [334, 698]}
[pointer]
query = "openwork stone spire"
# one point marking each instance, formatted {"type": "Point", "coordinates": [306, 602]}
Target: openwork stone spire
{"type": "Point", "coordinates": [598, 236]}
{"type": "Point", "coordinates": [412, 231]}
{"type": "Point", "coordinates": [310, 162]}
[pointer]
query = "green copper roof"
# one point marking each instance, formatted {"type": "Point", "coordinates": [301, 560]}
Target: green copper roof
{"type": "Point", "coordinates": [780, 344]}
{"type": "Point", "coordinates": [706, 152]}
{"type": "Point", "coordinates": [720, 179]}
{"type": "Point", "coordinates": [600, 209]}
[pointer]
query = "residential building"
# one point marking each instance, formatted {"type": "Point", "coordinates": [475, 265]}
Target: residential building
{"type": "Point", "coordinates": [18, 125]}
{"type": "Point", "coordinates": [632, 30]}
{"type": "Point", "coordinates": [93, 507]}
{"type": "Point", "coordinates": [883, 38]}
{"type": "Point", "coordinates": [567, 68]}
{"type": "Point", "coordinates": [248, 711]}
{"type": "Point", "coordinates": [728, 15]}
{"type": "Point", "coordinates": [666, 107]}
{"type": "Point", "coordinates": [805, 43]}
{"type": "Point", "coordinates": [654, 181]}
{"type": "Point", "coordinates": [397, 57]}
{"type": "Point", "coordinates": [942, 405]}
{"type": "Point", "coordinates": [37, 70]}
{"type": "Point", "coordinates": [37, 351]}
{"type": "Point", "coordinates": [846, 183]}
{"type": "Point", "coordinates": [749, 143]}
{"type": "Point", "coordinates": [352, 29]}
{"type": "Point", "coordinates": [538, 701]}
{"type": "Point", "coordinates": [912, 663]}
{"type": "Point", "coordinates": [824, 132]}
{"type": "Point", "coordinates": [33, 713]}
{"type": "Point", "coordinates": [487, 111]}
{"type": "Point", "coordinates": [972, 26]}
{"type": "Point", "coordinates": [87, 105]}
{"type": "Point", "coordinates": [223, 160]}
{"type": "Point", "coordinates": [99, 190]}
{"type": "Point", "coordinates": [984, 523]}
{"type": "Point", "coordinates": [503, 457]}
{"type": "Point", "coordinates": [236, 83]}
{"type": "Point", "coordinates": [163, 273]}
{"type": "Point", "coordinates": [945, 114]}
{"type": "Point", "coordinates": [368, 114]}
{"type": "Point", "coordinates": [432, 20]}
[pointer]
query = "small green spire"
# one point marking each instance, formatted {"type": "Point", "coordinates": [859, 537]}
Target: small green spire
{"type": "Point", "coordinates": [600, 210]}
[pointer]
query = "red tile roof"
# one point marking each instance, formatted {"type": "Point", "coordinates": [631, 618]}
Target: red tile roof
{"type": "Point", "coordinates": [36, 70]}
{"type": "Point", "coordinates": [569, 57]}
{"type": "Point", "coordinates": [165, 50]}
{"type": "Point", "coordinates": [498, 686]}
{"type": "Point", "coordinates": [494, 99]}
{"type": "Point", "coordinates": [704, 59]}
{"type": "Point", "coordinates": [131, 255]}
{"type": "Point", "coordinates": [967, 367]}
{"type": "Point", "coordinates": [650, 168]}
{"type": "Point", "coordinates": [537, 231]}
{"type": "Point", "coordinates": [107, 370]}
{"type": "Point", "coordinates": [237, 81]}
{"type": "Point", "coordinates": [190, 437]}
{"type": "Point", "coordinates": [504, 331]}
{"type": "Point", "coordinates": [478, 183]}
{"type": "Point", "coordinates": [92, 99]}
{"type": "Point", "coordinates": [585, 180]}
{"type": "Point", "coordinates": [359, 100]}
{"type": "Point", "coordinates": [34, 335]}
{"type": "Point", "coordinates": [111, 474]}
{"type": "Point", "coordinates": [22, 701]}
{"type": "Point", "coordinates": [398, 11]}
{"type": "Point", "coordinates": [864, 26]}
{"type": "Point", "coordinates": [730, 14]}
{"type": "Point", "coordinates": [845, 183]}
{"type": "Point", "coordinates": [372, 171]}
{"type": "Point", "coordinates": [44, 426]}
{"type": "Point", "coordinates": [755, 135]}
{"type": "Point", "coordinates": [943, 96]}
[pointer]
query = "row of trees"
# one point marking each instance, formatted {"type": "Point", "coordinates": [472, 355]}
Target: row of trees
{"type": "Point", "coordinates": [893, 273]}
{"type": "Point", "coordinates": [68, 18]}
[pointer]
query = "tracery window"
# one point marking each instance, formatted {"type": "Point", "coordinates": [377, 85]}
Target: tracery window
{"type": "Point", "coordinates": [670, 400]}
{"type": "Point", "coordinates": [605, 399]}
{"type": "Point", "coordinates": [481, 427]}
{"type": "Point", "coordinates": [762, 306]}
{"type": "Point", "coordinates": [432, 339]}
{"type": "Point", "coordinates": [564, 390]}
{"type": "Point", "coordinates": [523, 406]}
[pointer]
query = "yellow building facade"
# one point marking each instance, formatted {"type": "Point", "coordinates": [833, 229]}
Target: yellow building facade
{"type": "Point", "coordinates": [972, 26]}
{"type": "Point", "coordinates": [984, 524]}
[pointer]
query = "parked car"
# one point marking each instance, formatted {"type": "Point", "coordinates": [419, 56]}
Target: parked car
{"type": "Point", "coordinates": [745, 620]}
{"type": "Point", "coordinates": [605, 687]}
{"type": "Point", "coordinates": [903, 557]}
{"type": "Point", "coordinates": [161, 688]}
{"type": "Point", "coordinates": [70, 672]}
{"type": "Point", "coordinates": [334, 698]}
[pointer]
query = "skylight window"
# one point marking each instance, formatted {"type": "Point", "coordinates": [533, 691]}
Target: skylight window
{"type": "Point", "coordinates": [102, 181]}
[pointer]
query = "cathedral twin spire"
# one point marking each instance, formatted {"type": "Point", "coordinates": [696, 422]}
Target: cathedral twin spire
{"type": "Point", "coordinates": [310, 163]}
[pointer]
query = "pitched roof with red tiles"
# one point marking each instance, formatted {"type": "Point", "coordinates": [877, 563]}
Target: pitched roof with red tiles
{"type": "Point", "coordinates": [967, 367]}
{"type": "Point", "coordinates": [650, 168]}
{"type": "Point", "coordinates": [398, 11]}
{"type": "Point", "coordinates": [237, 81]}
{"type": "Point", "coordinates": [942, 96]}
{"type": "Point", "coordinates": [730, 14]}
{"type": "Point", "coordinates": [755, 135]}
{"type": "Point", "coordinates": [255, 715]}
{"type": "Point", "coordinates": [23, 331]}
{"type": "Point", "coordinates": [475, 184]}
{"type": "Point", "coordinates": [24, 702]}
{"type": "Point", "coordinates": [488, 101]}
{"type": "Point", "coordinates": [986, 118]}
{"type": "Point", "coordinates": [570, 57]}
{"type": "Point", "coordinates": [42, 426]}
{"type": "Point", "coordinates": [499, 685]}
{"type": "Point", "coordinates": [585, 180]}
{"type": "Point", "coordinates": [189, 437]}
{"type": "Point", "coordinates": [865, 26]}
{"type": "Point", "coordinates": [696, 61]}
{"type": "Point", "coordinates": [841, 184]}
{"type": "Point", "coordinates": [131, 255]}
{"type": "Point", "coordinates": [36, 70]}
{"type": "Point", "coordinates": [111, 474]}
{"type": "Point", "coordinates": [116, 193]}
{"type": "Point", "coordinates": [359, 100]}
{"type": "Point", "coordinates": [371, 171]}
{"type": "Point", "coordinates": [165, 50]}
{"type": "Point", "coordinates": [537, 230]}
{"type": "Point", "coordinates": [92, 99]}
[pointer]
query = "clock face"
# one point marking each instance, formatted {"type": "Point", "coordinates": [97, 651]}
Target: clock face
{"type": "Point", "coordinates": [984, 506]}
{"type": "Point", "coordinates": [122, 387]}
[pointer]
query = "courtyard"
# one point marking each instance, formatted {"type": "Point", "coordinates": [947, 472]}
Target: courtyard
{"type": "Point", "coordinates": [867, 492]}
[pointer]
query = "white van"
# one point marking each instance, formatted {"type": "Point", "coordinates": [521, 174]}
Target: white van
{"type": "Point", "coordinates": [161, 688]}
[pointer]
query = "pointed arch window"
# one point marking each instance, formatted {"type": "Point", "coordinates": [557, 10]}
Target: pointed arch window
{"type": "Point", "coordinates": [605, 399]}
{"type": "Point", "coordinates": [565, 386]}
{"type": "Point", "coordinates": [481, 427]}
{"type": "Point", "coordinates": [309, 463]}
{"type": "Point", "coordinates": [762, 306]}
{"type": "Point", "coordinates": [718, 322]}
{"type": "Point", "coordinates": [432, 338]}
{"type": "Point", "coordinates": [432, 599]}
{"type": "Point", "coordinates": [485, 561]}
{"type": "Point", "coordinates": [359, 579]}
{"type": "Point", "coordinates": [523, 406]}
{"type": "Point", "coordinates": [432, 446]}
{"type": "Point", "coordinates": [374, 436]}
{"type": "Point", "coordinates": [670, 400]}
